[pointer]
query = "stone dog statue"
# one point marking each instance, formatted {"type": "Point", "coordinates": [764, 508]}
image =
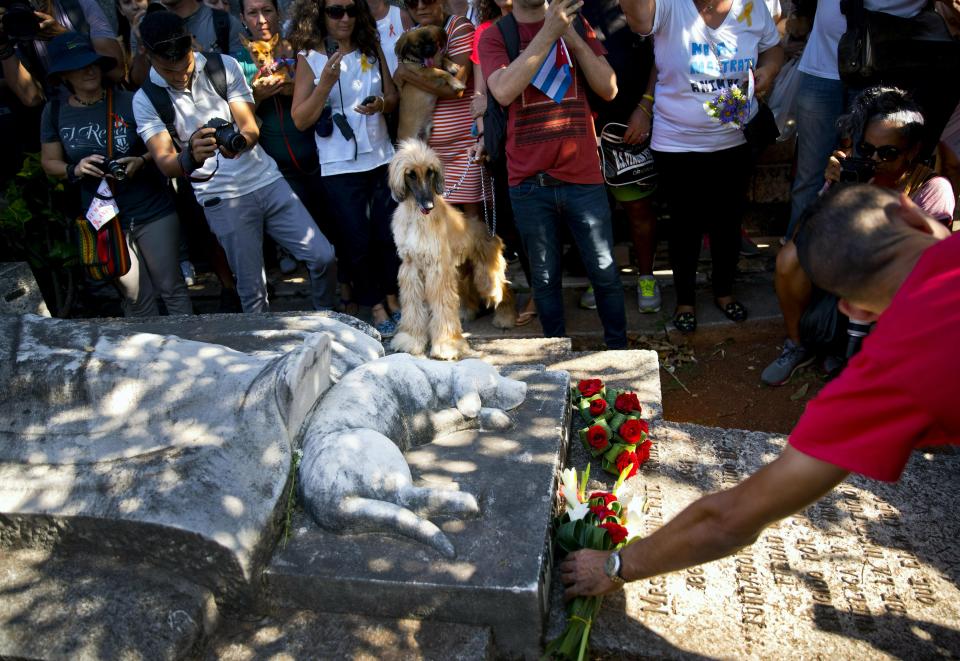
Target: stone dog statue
{"type": "Point", "coordinates": [353, 475]}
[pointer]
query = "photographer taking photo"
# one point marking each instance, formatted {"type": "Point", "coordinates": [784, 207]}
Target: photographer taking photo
{"type": "Point", "coordinates": [198, 100]}
{"type": "Point", "coordinates": [93, 136]}
{"type": "Point", "coordinates": [884, 129]}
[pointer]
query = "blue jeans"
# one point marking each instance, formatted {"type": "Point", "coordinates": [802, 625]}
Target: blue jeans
{"type": "Point", "coordinates": [820, 101]}
{"type": "Point", "coordinates": [538, 209]}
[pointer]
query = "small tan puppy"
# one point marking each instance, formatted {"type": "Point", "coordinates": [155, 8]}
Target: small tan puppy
{"type": "Point", "coordinates": [420, 50]}
{"type": "Point", "coordinates": [273, 59]}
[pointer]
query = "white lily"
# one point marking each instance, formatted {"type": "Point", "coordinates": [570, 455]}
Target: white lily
{"type": "Point", "coordinates": [579, 511]}
{"type": "Point", "coordinates": [568, 487]}
{"type": "Point", "coordinates": [634, 523]}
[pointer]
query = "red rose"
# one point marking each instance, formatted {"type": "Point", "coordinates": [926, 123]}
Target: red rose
{"type": "Point", "coordinates": [643, 452]}
{"type": "Point", "coordinates": [597, 406]}
{"type": "Point", "coordinates": [632, 431]}
{"type": "Point", "coordinates": [607, 498]}
{"type": "Point", "coordinates": [627, 402]}
{"type": "Point", "coordinates": [589, 387]}
{"type": "Point", "coordinates": [601, 512]}
{"type": "Point", "coordinates": [627, 458]}
{"type": "Point", "coordinates": [597, 437]}
{"type": "Point", "coordinates": [617, 532]}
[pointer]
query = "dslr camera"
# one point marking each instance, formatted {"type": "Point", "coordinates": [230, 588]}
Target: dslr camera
{"type": "Point", "coordinates": [857, 170]}
{"type": "Point", "coordinates": [19, 22]}
{"type": "Point", "coordinates": [114, 168]}
{"type": "Point", "coordinates": [226, 136]}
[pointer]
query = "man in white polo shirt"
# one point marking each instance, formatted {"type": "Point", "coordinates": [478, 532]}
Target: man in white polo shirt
{"type": "Point", "coordinates": [239, 186]}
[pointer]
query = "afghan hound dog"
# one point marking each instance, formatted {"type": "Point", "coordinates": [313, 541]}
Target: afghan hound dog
{"type": "Point", "coordinates": [446, 258]}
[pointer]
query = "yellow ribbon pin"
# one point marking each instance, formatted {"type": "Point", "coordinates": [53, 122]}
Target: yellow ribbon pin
{"type": "Point", "coordinates": [365, 65]}
{"type": "Point", "coordinates": [746, 15]}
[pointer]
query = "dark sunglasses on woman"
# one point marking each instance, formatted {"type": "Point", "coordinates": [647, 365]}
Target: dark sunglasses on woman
{"type": "Point", "coordinates": [336, 12]}
{"type": "Point", "coordinates": [413, 4]}
{"type": "Point", "coordinates": [886, 153]}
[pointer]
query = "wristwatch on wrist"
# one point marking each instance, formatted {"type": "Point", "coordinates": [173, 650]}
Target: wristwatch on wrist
{"type": "Point", "coordinates": [613, 567]}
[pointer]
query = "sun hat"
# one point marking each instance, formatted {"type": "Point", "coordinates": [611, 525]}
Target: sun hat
{"type": "Point", "coordinates": [71, 51]}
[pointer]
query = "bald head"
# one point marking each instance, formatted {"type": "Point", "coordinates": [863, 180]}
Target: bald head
{"type": "Point", "coordinates": [852, 238]}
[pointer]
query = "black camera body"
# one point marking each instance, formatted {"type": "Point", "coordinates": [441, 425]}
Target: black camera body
{"type": "Point", "coordinates": [114, 168]}
{"type": "Point", "coordinates": [857, 170]}
{"type": "Point", "coordinates": [226, 136]}
{"type": "Point", "coordinates": [19, 22]}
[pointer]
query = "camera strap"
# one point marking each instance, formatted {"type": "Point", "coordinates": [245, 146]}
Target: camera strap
{"type": "Point", "coordinates": [188, 153]}
{"type": "Point", "coordinates": [110, 122]}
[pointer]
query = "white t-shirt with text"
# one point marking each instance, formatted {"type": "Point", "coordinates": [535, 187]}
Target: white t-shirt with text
{"type": "Point", "coordinates": [195, 106]}
{"type": "Point", "coordinates": [695, 62]}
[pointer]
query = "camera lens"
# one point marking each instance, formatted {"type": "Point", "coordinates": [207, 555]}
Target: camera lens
{"type": "Point", "coordinates": [235, 142]}
{"type": "Point", "coordinates": [117, 170]}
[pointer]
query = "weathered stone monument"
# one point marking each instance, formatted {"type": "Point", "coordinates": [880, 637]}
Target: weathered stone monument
{"type": "Point", "coordinates": [148, 509]}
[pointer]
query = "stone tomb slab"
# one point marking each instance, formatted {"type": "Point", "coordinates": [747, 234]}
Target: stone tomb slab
{"type": "Point", "coordinates": [869, 572]}
{"type": "Point", "coordinates": [500, 576]}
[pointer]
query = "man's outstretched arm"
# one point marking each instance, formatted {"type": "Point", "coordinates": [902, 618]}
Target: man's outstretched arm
{"type": "Point", "coordinates": [714, 526]}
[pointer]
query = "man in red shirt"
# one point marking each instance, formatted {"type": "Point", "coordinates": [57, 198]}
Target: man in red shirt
{"type": "Point", "coordinates": [887, 261]}
{"type": "Point", "coordinates": [552, 162]}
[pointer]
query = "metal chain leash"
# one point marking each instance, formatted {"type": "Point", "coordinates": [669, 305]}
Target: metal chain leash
{"type": "Point", "coordinates": [491, 228]}
{"type": "Point", "coordinates": [453, 189]}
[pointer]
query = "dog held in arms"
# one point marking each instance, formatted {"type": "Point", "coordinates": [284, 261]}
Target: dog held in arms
{"type": "Point", "coordinates": [274, 60]}
{"type": "Point", "coordinates": [447, 258]}
{"type": "Point", "coordinates": [420, 51]}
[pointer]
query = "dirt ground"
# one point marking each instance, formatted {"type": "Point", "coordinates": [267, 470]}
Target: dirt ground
{"type": "Point", "coordinates": [715, 380]}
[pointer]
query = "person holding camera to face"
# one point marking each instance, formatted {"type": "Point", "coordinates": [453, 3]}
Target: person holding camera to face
{"type": "Point", "coordinates": [91, 138]}
{"type": "Point", "coordinates": [885, 131]}
{"type": "Point", "coordinates": [341, 92]}
{"type": "Point", "coordinates": [205, 105]}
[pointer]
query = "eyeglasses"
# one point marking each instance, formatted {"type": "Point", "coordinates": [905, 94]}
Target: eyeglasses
{"type": "Point", "coordinates": [336, 12]}
{"type": "Point", "coordinates": [886, 153]}
{"type": "Point", "coordinates": [413, 4]}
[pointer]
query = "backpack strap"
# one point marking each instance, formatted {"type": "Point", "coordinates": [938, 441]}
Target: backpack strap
{"type": "Point", "coordinates": [221, 28]}
{"type": "Point", "coordinates": [217, 72]}
{"type": "Point", "coordinates": [75, 13]}
{"type": "Point", "coordinates": [510, 32]}
{"type": "Point", "coordinates": [54, 104]}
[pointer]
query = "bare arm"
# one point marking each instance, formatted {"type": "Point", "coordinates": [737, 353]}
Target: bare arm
{"type": "Point", "coordinates": [714, 526]}
{"type": "Point", "coordinates": [768, 66]}
{"type": "Point", "coordinates": [21, 82]}
{"type": "Point", "coordinates": [112, 48]}
{"type": "Point", "coordinates": [595, 68]}
{"type": "Point", "coordinates": [309, 99]}
{"type": "Point", "coordinates": [246, 123]}
{"type": "Point", "coordinates": [639, 14]}
{"type": "Point", "coordinates": [508, 83]}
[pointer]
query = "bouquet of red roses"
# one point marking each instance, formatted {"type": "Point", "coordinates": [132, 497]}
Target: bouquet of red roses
{"type": "Point", "coordinates": [599, 521]}
{"type": "Point", "coordinates": [614, 428]}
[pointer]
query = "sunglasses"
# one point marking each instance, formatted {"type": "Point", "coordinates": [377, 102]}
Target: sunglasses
{"type": "Point", "coordinates": [336, 12]}
{"type": "Point", "coordinates": [413, 4]}
{"type": "Point", "coordinates": [886, 153]}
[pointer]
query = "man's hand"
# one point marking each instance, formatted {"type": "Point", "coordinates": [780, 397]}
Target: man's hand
{"type": "Point", "coordinates": [203, 145]}
{"type": "Point", "coordinates": [582, 571]}
{"type": "Point", "coordinates": [49, 28]}
{"type": "Point", "coordinates": [559, 17]}
{"type": "Point", "coordinates": [638, 128]}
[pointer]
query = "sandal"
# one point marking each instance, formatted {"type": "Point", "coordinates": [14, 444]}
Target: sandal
{"type": "Point", "coordinates": [734, 311]}
{"type": "Point", "coordinates": [685, 322]}
{"type": "Point", "coordinates": [525, 318]}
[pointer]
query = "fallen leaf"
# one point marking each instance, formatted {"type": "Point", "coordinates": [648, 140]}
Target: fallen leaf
{"type": "Point", "coordinates": [800, 392]}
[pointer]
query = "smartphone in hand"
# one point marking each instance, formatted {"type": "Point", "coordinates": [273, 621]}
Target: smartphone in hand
{"type": "Point", "coordinates": [331, 45]}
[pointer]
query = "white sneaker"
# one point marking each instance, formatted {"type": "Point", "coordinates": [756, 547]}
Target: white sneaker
{"type": "Point", "coordinates": [648, 294]}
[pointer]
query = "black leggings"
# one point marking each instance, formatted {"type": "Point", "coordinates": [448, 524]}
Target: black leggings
{"type": "Point", "coordinates": [706, 192]}
{"type": "Point", "coordinates": [362, 205]}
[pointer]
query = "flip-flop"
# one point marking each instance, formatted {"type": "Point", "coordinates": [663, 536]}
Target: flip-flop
{"type": "Point", "coordinates": [525, 318]}
{"type": "Point", "coordinates": [685, 322]}
{"type": "Point", "coordinates": [734, 311]}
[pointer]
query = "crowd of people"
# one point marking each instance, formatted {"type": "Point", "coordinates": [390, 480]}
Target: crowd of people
{"type": "Point", "coordinates": [218, 150]}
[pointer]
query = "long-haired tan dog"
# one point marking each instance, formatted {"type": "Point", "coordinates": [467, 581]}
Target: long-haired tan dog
{"type": "Point", "coordinates": [433, 239]}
